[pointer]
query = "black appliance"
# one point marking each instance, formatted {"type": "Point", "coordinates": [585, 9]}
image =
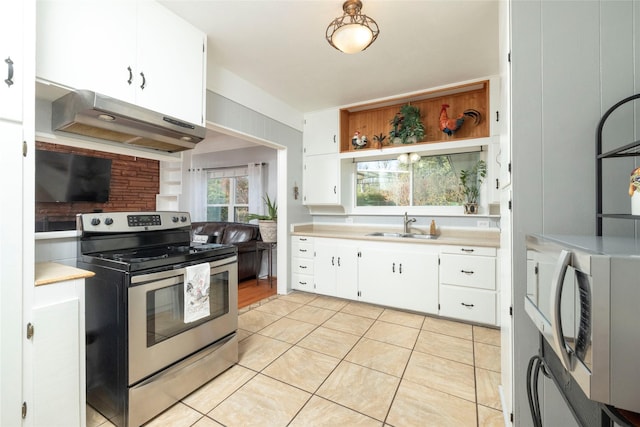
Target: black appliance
{"type": "Point", "coordinates": [144, 352]}
{"type": "Point", "coordinates": [67, 177]}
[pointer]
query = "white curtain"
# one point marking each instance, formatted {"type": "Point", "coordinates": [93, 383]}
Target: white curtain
{"type": "Point", "coordinates": [198, 194]}
{"type": "Point", "coordinates": [257, 188]}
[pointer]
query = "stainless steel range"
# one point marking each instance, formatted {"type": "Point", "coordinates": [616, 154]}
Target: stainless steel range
{"type": "Point", "coordinates": [161, 313]}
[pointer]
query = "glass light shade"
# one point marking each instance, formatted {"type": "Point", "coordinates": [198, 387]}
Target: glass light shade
{"type": "Point", "coordinates": [403, 158]}
{"type": "Point", "coordinates": [352, 38]}
{"type": "Point", "coordinates": [414, 157]}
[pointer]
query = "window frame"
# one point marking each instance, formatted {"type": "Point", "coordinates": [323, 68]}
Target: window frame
{"type": "Point", "coordinates": [232, 205]}
{"type": "Point", "coordinates": [413, 210]}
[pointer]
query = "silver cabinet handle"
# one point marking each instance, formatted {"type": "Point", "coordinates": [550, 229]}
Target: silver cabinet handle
{"type": "Point", "coordinates": [466, 250]}
{"type": "Point", "coordinates": [144, 81]}
{"type": "Point", "coordinates": [393, 268]}
{"type": "Point", "coordinates": [467, 305]}
{"type": "Point", "coordinates": [9, 79]}
{"type": "Point", "coordinates": [466, 272]}
{"type": "Point", "coordinates": [130, 75]}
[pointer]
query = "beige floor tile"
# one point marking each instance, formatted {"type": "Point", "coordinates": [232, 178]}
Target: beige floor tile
{"type": "Point", "coordinates": [364, 310]}
{"type": "Point", "coordinates": [411, 320]}
{"type": "Point", "coordinates": [442, 374]}
{"type": "Point", "coordinates": [356, 325]}
{"type": "Point", "coordinates": [488, 417]}
{"type": "Point", "coordinates": [242, 334]}
{"type": "Point", "coordinates": [319, 412]}
{"type": "Point", "coordinates": [215, 391]}
{"type": "Point", "coordinates": [263, 401]}
{"type": "Point", "coordinates": [255, 320]}
{"type": "Point", "coordinates": [390, 333]}
{"type": "Point", "coordinates": [288, 330]}
{"type": "Point", "coordinates": [446, 346]}
{"type": "Point", "coordinates": [95, 418]}
{"type": "Point", "coordinates": [330, 342]}
{"type": "Point", "coordinates": [302, 368]}
{"type": "Point", "coordinates": [416, 405]}
{"type": "Point", "coordinates": [257, 351]}
{"type": "Point", "coordinates": [179, 415]}
{"type": "Point", "coordinates": [361, 389]}
{"type": "Point", "coordinates": [486, 335]}
{"type": "Point", "coordinates": [279, 307]}
{"type": "Point", "coordinates": [487, 356]}
{"type": "Point", "coordinates": [487, 383]}
{"type": "Point", "coordinates": [207, 422]}
{"type": "Point", "coordinates": [448, 327]}
{"type": "Point", "coordinates": [299, 297]}
{"type": "Point", "coordinates": [312, 314]}
{"type": "Point", "coordinates": [328, 303]}
{"type": "Point", "coordinates": [380, 356]}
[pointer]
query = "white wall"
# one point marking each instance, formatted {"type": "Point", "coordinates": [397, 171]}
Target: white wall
{"type": "Point", "coordinates": [570, 61]}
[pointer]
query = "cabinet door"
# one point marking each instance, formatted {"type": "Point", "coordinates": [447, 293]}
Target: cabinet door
{"type": "Point", "coordinates": [11, 60]}
{"type": "Point", "coordinates": [403, 276]}
{"type": "Point", "coordinates": [87, 44]}
{"type": "Point", "coordinates": [324, 266]}
{"type": "Point", "coordinates": [57, 364]}
{"type": "Point", "coordinates": [321, 133]}
{"type": "Point", "coordinates": [171, 55]}
{"type": "Point", "coordinates": [321, 180]}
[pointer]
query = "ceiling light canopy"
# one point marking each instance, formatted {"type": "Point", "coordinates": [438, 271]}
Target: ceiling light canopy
{"type": "Point", "coordinates": [352, 32]}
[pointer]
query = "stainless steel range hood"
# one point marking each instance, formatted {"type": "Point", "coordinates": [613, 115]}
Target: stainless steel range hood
{"type": "Point", "coordinates": [90, 114]}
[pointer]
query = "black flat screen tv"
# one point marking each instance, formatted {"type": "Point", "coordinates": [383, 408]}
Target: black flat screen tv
{"type": "Point", "coordinates": [67, 177]}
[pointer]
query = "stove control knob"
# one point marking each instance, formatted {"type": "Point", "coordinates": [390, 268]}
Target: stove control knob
{"type": "Point", "coordinates": [108, 221]}
{"type": "Point", "coordinates": [183, 219]}
{"type": "Point", "coordinates": [174, 219]}
{"type": "Point", "coordinates": [95, 221]}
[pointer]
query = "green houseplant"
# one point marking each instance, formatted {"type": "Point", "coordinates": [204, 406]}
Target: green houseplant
{"type": "Point", "coordinates": [267, 222]}
{"type": "Point", "coordinates": [470, 181]}
{"type": "Point", "coordinates": [412, 129]}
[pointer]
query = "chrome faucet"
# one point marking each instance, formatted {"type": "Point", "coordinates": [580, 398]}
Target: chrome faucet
{"type": "Point", "coordinates": [407, 220]}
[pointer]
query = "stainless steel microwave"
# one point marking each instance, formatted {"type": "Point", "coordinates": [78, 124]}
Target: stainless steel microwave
{"type": "Point", "coordinates": [583, 295]}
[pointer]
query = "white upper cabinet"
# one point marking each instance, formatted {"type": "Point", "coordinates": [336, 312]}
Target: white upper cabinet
{"type": "Point", "coordinates": [11, 60]}
{"type": "Point", "coordinates": [321, 133]}
{"type": "Point", "coordinates": [137, 52]}
{"type": "Point", "coordinates": [321, 180]}
{"type": "Point", "coordinates": [171, 54]}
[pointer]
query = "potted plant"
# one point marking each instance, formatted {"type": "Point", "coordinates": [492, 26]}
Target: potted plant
{"type": "Point", "coordinates": [412, 129]}
{"type": "Point", "coordinates": [470, 181]}
{"type": "Point", "coordinates": [267, 222]}
{"type": "Point", "coordinates": [396, 125]}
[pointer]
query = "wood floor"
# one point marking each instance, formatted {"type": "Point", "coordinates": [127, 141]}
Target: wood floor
{"type": "Point", "coordinates": [249, 292]}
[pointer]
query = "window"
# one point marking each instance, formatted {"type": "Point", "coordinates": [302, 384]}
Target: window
{"type": "Point", "coordinates": [227, 198]}
{"type": "Point", "coordinates": [432, 181]}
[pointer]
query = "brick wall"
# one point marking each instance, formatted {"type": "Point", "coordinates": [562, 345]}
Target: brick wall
{"type": "Point", "coordinates": [134, 184]}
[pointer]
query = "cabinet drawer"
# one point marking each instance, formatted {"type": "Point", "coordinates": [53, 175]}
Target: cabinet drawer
{"type": "Point", "coordinates": [302, 250]}
{"type": "Point", "coordinates": [468, 250]}
{"type": "Point", "coordinates": [302, 282]}
{"type": "Point", "coordinates": [302, 265]}
{"type": "Point", "coordinates": [464, 270]}
{"type": "Point", "coordinates": [474, 305]}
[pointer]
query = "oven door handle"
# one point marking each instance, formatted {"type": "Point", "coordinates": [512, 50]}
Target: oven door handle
{"type": "Point", "coordinates": [556, 310]}
{"type": "Point", "coordinates": [179, 270]}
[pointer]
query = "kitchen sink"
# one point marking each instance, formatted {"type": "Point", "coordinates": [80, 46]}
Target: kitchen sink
{"type": "Point", "coordinates": [404, 235]}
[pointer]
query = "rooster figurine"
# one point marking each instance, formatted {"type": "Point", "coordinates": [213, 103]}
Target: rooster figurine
{"type": "Point", "coordinates": [358, 141]}
{"type": "Point", "coordinates": [449, 126]}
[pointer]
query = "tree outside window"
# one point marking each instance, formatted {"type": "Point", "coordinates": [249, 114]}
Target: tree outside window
{"type": "Point", "coordinates": [432, 181]}
{"type": "Point", "coordinates": [227, 198]}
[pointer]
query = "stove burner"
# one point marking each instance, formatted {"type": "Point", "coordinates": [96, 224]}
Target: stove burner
{"type": "Point", "coordinates": [150, 254]}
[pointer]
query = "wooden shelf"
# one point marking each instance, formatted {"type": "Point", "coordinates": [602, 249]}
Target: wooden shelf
{"type": "Point", "coordinates": [373, 119]}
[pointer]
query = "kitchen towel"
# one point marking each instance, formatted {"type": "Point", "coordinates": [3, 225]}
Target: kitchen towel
{"type": "Point", "coordinates": [196, 292]}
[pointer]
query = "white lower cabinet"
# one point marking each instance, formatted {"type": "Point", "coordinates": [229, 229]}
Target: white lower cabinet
{"type": "Point", "coordinates": [399, 275]}
{"type": "Point", "coordinates": [468, 288]}
{"type": "Point", "coordinates": [453, 281]}
{"type": "Point", "coordinates": [58, 343]}
{"type": "Point", "coordinates": [302, 263]}
{"type": "Point", "coordinates": [336, 267]}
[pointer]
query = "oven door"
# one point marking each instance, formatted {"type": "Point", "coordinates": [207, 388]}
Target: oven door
{"type": "Point", "coordinates": [159, 334]}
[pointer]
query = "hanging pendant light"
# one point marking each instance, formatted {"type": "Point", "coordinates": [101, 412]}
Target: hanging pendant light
{"type": "Point", "coordinates": [409, 158]}
{"type": "Point", "coordinates": [352, 32]}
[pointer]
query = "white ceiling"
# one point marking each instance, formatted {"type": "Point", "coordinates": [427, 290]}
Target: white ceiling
{"type": "Point", "coordinates": [280, 46]}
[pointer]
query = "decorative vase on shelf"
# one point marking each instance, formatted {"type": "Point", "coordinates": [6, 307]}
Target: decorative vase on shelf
{"type": "Point", "coordinates": [470, 208]}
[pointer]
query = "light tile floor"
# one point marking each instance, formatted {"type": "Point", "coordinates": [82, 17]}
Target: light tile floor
{"type": "Point", "coordinates": [308, 360]}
